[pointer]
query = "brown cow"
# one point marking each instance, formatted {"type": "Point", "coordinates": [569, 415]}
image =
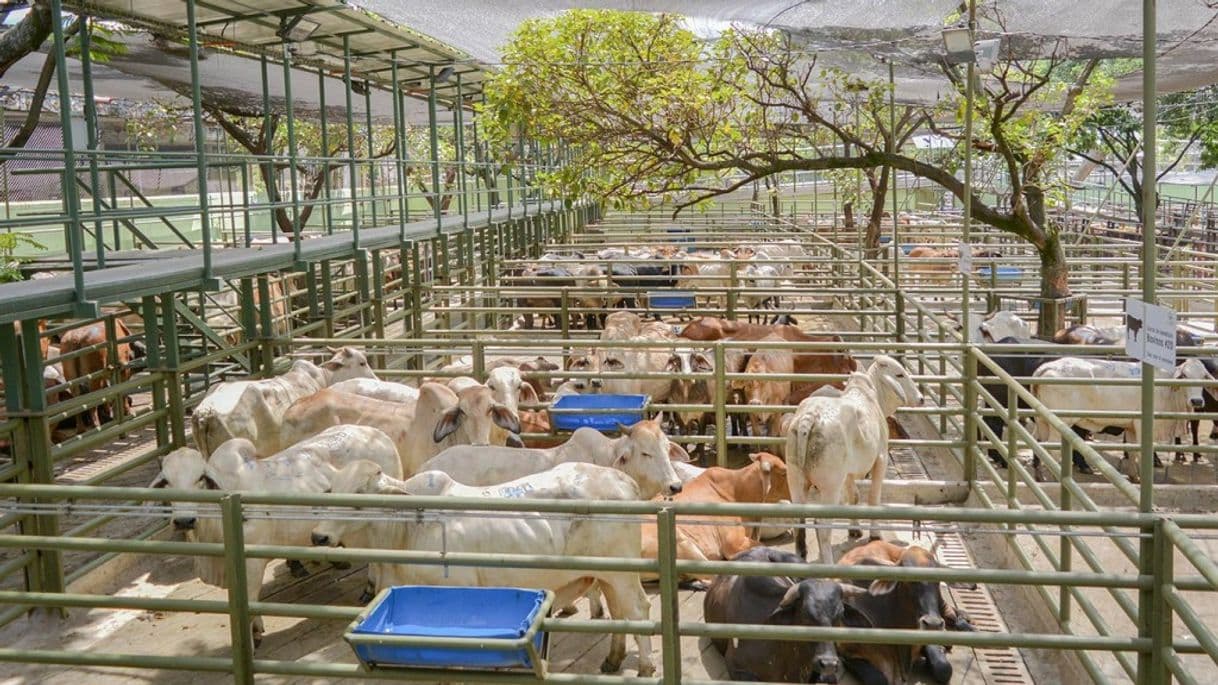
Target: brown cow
{"type": "Point", "coordinates": [913, 605]}
{"type": "Point", "coordinates": [759, 392]}
{"type": "Point", "coordinates": [763, 480]}
{"type": "Point", "coordinates": [91, 342]}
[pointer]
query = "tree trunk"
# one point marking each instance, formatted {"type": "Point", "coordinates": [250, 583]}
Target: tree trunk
{"type": "Point", "coordinates": [848, 213]}
{"type": "Point", "coordinates": [27, 36]}
{"type": "Point", "coordinates": [879, 193]}
{"type": "Point", "coordinates": [1054, 270]}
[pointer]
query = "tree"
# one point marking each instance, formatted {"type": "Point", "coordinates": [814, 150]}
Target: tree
{"type": "Point", "coordinates": [1112, 138]}
{"type": "Point", "coordinates": [650, 110]}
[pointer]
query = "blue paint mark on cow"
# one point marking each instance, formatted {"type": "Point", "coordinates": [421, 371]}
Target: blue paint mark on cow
{"type": "Point", "coordinates": [511, 491]}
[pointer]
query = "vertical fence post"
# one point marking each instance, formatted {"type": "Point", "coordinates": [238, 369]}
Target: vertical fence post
{"type": "Point", "coordinates": [238, 589]}
{"type": "Point", "coordinates": [196, 96]}
{"type": "Point", "coordinates": [1012, 447]}
{"type": "Point", "coordinates": [970, 416]}
{"type": "Point", "coordinates": [720, 405]}
{"type": "Point", "coordinates": [1066, 550]}
{"type": "Point", "coordinates": [1164, 582]}
{"type": "Point", "coordinates": [172, 365]}
{"type": "Point", "coordinates": [670, 638]}
{"type": "Point", "coordinates": [152, 341]}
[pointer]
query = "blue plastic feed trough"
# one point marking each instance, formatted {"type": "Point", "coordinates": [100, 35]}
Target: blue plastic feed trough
{"type": "Point", "coordinates": [570, 412]}
{"type": "Point", "coordinates": [485, 627]}
{"type": "Point", "coordinates": [670, 299]}
{"type": "Point", "coordinates": [1005, 273]}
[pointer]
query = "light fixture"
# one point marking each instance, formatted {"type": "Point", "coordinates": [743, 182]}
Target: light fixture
{"type": "Point", "coordinates": [959, 46]}
{"type": "Point", "coordinates": [296, 29]}
{"type": "Point", "coordinates": [445, 74]}
{"type": "Point", "coordinates": [987, 53]}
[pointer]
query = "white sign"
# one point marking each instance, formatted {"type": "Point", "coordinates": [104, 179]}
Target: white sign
{"type": "Point", "coordinates": [966, 258]}
{"type": "Point", "coordinates": [1150, 333]}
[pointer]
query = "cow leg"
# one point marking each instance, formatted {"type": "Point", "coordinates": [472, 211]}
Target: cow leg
{"type": "Point", "coordinates": [996, 425]}
{"type": "Point", "coordinates": [878, 469]}
{"type": "Point", "coordinates": [254, 571]}
{"type": "Point", "coordinates": [626, 599]}
{"type": "Point", "coordinates": [797, 484]}
{"type": "Point", "coordinates": [297, 569]}
{"type": "Point", "coordinates": [852, 496]}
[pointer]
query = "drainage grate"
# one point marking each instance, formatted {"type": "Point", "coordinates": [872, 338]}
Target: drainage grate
{"type": "Point", "coordinates": [997, 666]}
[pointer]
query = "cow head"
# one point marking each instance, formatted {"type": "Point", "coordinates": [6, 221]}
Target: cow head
{"type": "Point", "coordinates": [893, 385]}
{"type": "Point", "coordinates": [928, 602]}
{"type": "Point", "coordinates": [818, 603]}
{"type": "Point", "coordinates": [1193, 369]}
{"type": "Point", "coordinates": [745, 252]}
{"type": "Point", "coordinates": [361, 477]}
{"type": "Point", "coordinates": [1003, 324]}
{"type": "Point", "coordinates": [773, 470]}
{"type": "Point", "coordinates": [689, 390]}
{"type": "Point", "coordinates": [347, 363]}
{"type": "Point", "coordinates": [505, 384]}
{"type": "Point", "coordinates": [584, 361]}
{"type": "Point", "coordinates": [644, 453]}
{"type": "Point", "coordinates": [475, 413]}
{"type": "Point", "coordinates": [184, 469]}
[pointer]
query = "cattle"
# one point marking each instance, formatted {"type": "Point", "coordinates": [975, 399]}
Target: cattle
{"type": "Point", "coordinates": [542, 278]}
{"type": "Point", "coordinates": [834, 440]}
{"type": "Point", "coordinates": [507, 388]}
{"type": "Point", "coordinates": [87, 365]}
{"type": "Point", "coordinates": [1081, 396]}
{"type": "Point", "coordinates": [378, 390]}
{"type": "Point", "coordinates": [640, 361]}
{"type": "Point", "coordinates": [1003, 324]}
{"type": "Point", "coordinates": [641, 451]}
{"type": "Point", "coordinates": [531, 534]}
{"type": "Point", "coordinates": [764, 479]}
{"type": "Point", "coordinates": [780, 601]}
{"type": "Point", "coordinates": [1082, 334]}
{"type": "Point", "coordinates": [690, 390]}
{"type": "Point", "coordinates": [761, 277]}
{"type": "Point", "coordinates": [328, 407]}
{"type": "Point", "coordinates": [766, 392]}
{"type": "Point", "coordinates": [931, 265]}
{"type": "Point", "coordinates": [701, 276]}
{"type": "Point", "coordinates": [1209, 406]}
{"type": "Point", "coordinates": [254, 409]}
{"type": "Point", "coordinates": [44, 341]}
{"type": "Point", "coordinates": [891, 604]}
{"type": "Point", "coordinates": [307, 466]}
{"type": "Point", "coordinates": [444, 418]}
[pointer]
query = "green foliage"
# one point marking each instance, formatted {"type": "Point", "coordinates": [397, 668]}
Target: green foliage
{"type": "Point", "coordinates": [154, 124]}
{"type": "Point", "coordinates": [9, 264]}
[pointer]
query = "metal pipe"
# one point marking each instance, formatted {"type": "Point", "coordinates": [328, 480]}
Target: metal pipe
{"type": "Point", "coordinates": [73, 229]}
{"type": "Point", "coordinates": [196, 100]}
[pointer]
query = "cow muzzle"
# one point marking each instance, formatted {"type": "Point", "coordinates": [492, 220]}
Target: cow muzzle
{"type": "Point", "coordinates": [1196, 402]}
{"type": "Point", "coordinates": [826, 669]}
{"type": "Point", "coordinates": [930, 623]}
{"type": "Point", "coordinates": [320, 540]}
{"type": "Point", "coordinates": [184, 523]}
{"type": "Point", "coordinates": [674, 487]}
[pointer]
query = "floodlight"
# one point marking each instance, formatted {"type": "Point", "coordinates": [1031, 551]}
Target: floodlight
{"type": "Point", "coordinates": [445, 74]}
{"type": "Point", "coordinates": [296, 29]}
{"type": "Point", "coordinates": [959, 45]}
{"type": "Point", "coordinates": [987, 53]}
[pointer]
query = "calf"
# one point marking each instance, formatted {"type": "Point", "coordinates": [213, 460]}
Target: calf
{"type": "Point", "coordinates": [781, 601]}
{"type": "Point", "coordinates": [911, 605]}
{"type": "Point", "coordinates": [87, 363]}
{"type": "Point", "coordinates": [759, 392]}
{"type": "Point", "coordinates": [444, 418]}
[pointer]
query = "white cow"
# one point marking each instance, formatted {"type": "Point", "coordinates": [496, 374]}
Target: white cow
{"type": "Point", "coordinates": [642, 451]}
{"type": "Point", "coordinates": [378, 390]}
{"type": "Point", "coordinates": [533, 534]}
{"type": "Point", "coordinates": [307, 466]}
{"type": "Point", "coordinates": [642, 361]}
{"type": "Point", "coordinates": [444, 418]}
{"type": "Point", "coordinates": [253, 409]}
{"type": "Point", "coordinates": [1084, 396]}
{"type": "Point", "coordinates": [507, 388]}
{"type": "Point", "coordinates": [1003, 324]}
{"type": "Point", "coordinates": [832, 441]}
{"type": "Point", "coordinates": [329, 407]}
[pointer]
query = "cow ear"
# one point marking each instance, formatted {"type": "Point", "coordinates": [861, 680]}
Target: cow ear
{"type": "Point", "coordinates": [701, 364]}
{"type": "Point", "coordinates": [514, 440]}
{"type": "Point", "coordinates": [331, 365]}
{"type": "Point", "coordinates": [505, 418]}
{"type": "Point", "coordinates": [881, 587]}
{"type": "Point", "coordinates": [674, 364]}
{"type": "Point", "coordinates": [678, 453]}
{"type": "Point", "coordinates": [622, 429]}
{"type": "Point", "coordinates": [852, 593]}
{"type": "Point", "coordinates": [159, 482]}
{"type": "Point", "coordinates": [754, 456]}
{"type": "Point", "coordinates": [528, 394]}
{"type": "Point", "coordinates": [210, 484]}
{"type": "Point", "coordinates": [333, 350]}
{"type": "Point", "coordinates": [447, 424]}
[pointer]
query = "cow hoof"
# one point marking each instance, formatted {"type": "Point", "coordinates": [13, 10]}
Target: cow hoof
{"type": "Point", "coordinates": [854, 533]}
{"type": "Point", "coordinates": [297, 569]}
{"type": "Point", "coordinates": [257, 640]}
{"type": "Point", "coordinates": [608, 666]}
{"type": "Point", "coordinates": [647, 671]}
{"type": "Point", "coordinates": [341, 565]}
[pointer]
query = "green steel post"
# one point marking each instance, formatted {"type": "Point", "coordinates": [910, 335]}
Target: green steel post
{"type": "Point", "coordinates": [352, 172]}
{"type": "Point", "coordinates": [324, 122]}
{"type": "Point", "coordinates": [249, 319]}
{"type": "Point", "coordinates": [478, 357]}
{"type": "Point", "coordinates": [459, 123]}
{"type": "Point", "coordinates": [246, 217]}
{"type": "Point", "coordinates": [720, 406]}
{"type": "Point", "coordinates": [73, 229]}
{"type": "Point", "coordinates": [970, 416]}
{"type": "Point", "coordinates": [1066, 549]}
{"type": "Point", "coordinates": [378, 297]}
{"type": "Point", "coordinates": [416, 291]}
{"type": "Point", "coordinates": [399, 145]}
{"type": "Point", "coordinates": [239, 618]}
{"type": "Point", "coordinates": [524, 170]}
{"type": "Point", "coordinates": [371, 150]}
{"type": "Point", "coordinates": [1147, 672]}
{"type": "Point", "coordinates": [266, 318]}
{"type": "Point", "coordinates": [565, 315]}
{"type": "Point", "coordinates": [473, 129]}
{"type": "Point", "coordinates": [734, 282]}
{"type": "Point", "coordinates": [115, 367]}
{"type": "Point", "coordinates": [293, 153]}
{"type": "Point", "coordinates": [896, 243]}
{"type": "Point", "coordinates": [172, 366]}
{"type": "Point", "coordinates": [152, 342]}
{"type": "Point", "coordinates": [670, 615]}
{"type": "Point", "coordinates": [327, 297]}
{"type": "Point", "coordinates": [49, 563]}
{"type": "Point", "coordinates": [362, 285]}
{"type": "Point", "coordinates": [1164, 575]}
{"type": "Point", "coordinates": [1012, 445]}
{"type": "Point", "coordinates": [966, 310]}
{"type": "Point", "coordinates": [86, 77]}
{"type": "Point", "coordinates": [434, 141]}
{"type": "Point", "coordinates": [196, 98]}
{"type": "Point", "coordinates": [268, 164]}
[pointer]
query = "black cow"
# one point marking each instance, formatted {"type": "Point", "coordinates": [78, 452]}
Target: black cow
{"type": "Point", "coordinates": [778, 601]}
{"type": "Point", "coordinates": [1018, 365]}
